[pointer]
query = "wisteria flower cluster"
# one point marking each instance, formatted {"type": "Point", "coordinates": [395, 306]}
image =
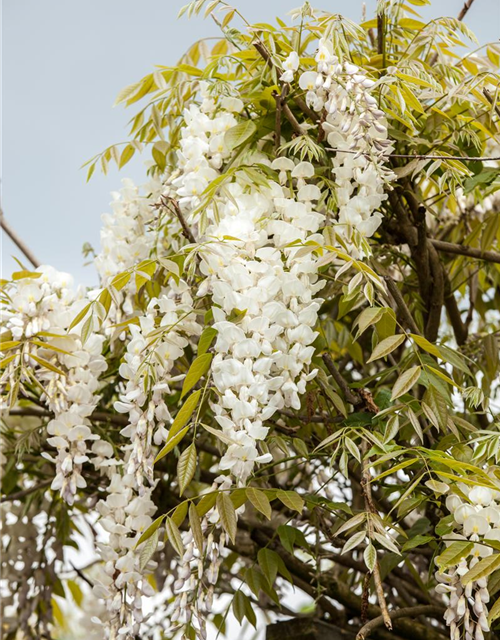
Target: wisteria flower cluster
{"type": "Point", "coordinates": [258, 391]}
{"type": "Point", "coordinates": [477, 519]}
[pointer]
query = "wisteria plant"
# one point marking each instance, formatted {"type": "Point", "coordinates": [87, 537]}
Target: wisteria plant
{"type": "Point", "coordinates": [281, 402]}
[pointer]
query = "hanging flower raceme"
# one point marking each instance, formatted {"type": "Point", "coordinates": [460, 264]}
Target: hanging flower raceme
{"type": "Point", "coordinates": [66, 369]}
{"type": "Point", "coordinates": [476, 518]}
{"type": "Point", "coordinates": [156, 343]}
{"type": "Point", "coordinates": [356, 130]}
{"type": "Point", "coordinates": [125, 515]}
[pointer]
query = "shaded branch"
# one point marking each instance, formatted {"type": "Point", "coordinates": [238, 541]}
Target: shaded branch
{"type": "Point", "coordinates": [401, 304]}
{"type": "Point", "coordinates": [26, 492]}
{"type": "Point", "coordinates": [339, 379]}
{"type": "Point", "coordinates": [460, 329]}
{"type": "Point", "coordinates": [407, 612]}
{"type": "Point", "coordinates": [464, 250]}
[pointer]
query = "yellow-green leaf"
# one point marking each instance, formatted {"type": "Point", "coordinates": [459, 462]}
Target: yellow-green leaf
{"type": "Point", "coordinates": [405, 382]}
{"type": "Point", "coordinates": [195, 524]}
{"type": "Point", "coordinates": [290, 499]}
{"type": "Point", "coordinates": [206, 340]}
{"type": "Point", "coordinates": [260, 501]}
{"type": "Point", "coordinates": [171, 443]}
{"type": "Point", "coordinates": [186, 467]}
{"type": "Point", "coordinates": [237, 135]}
{"type": "Point", "coordinates": [174, 536]}
{"type": "Point", "coordinates": [454, 554]}
{"type": "Point", "coordinates": [227, 515]}
{"type": "Point", "coordinates": [388, 345]}
{"type": "Point", "coordinates": [47, 365]}
{"type": "Point", "coordinates": [423, 343]}
{"type": "Point", "coordinates": [184, 413]}
{"type": "Point", "coordinates": [197, 370]}
{"type": "Point", "coordinates": [150, 530]}
{"type": "Point", "coordinates": [482, 569]}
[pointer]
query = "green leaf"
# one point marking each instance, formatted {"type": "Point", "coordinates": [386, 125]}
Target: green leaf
{"type": "Point", "coordinates": [482, 569]}
{"type": "Point", "coordinates": [423, 343]}
{"type": "Point", "coordinates": [370, 557]}
{"type": "Point", "coordinates": [260, 501]}
{"type": "Point", "coordinates": [206, 340]}
{"type": "Point", "coordinates": [148, 549]}
{"type": "Point", "coordinates": [180, 513]}
{"type": "Point", "coordinates": [388, 345]}
{"type": "Point", "coordinates": [494, 612]}
{"type": "Point", "coordinates": [410, 23]}
{"type": "Point", "coordinates": [227, 515]}
{"type": "Point", "coordinates": [287, 537]}
{"type": "Point", "coordinates": [47, 365]}
{"type": "Point", "coordinates": [454, 554]}
{"type": "Point", "coordinates": [186, 467]}
{"type": "Point", "coordinates": [198, 368]}
{"type": "Point", "coordinates": [353, 541]}
{"type": "Point", "coordinates": [481, 180]}
{"type": "Point", "coordinates": [174, 536]}
{"type": "Point", "coordinates": [171, 443]}
{"type": "Point", "coordinates": [290, 499]}
{"type": "Point", "coordinates": [206, 503]}
{"type": "Point", "coordinates": [184, 413]}
{"type": "Point", "coordinates": [195, 524]}
{"type": "Point", "coordinates": [369, 316]}
{"type": "Point", "coordinates": [268, 564]}
{"type": "Point", "coordinates": [126, 155]}
{"type": "Point", "coordinates": [242, 608]}
{"type": "Point", "coordinates": [417, 541]}
{"type": "Point", "coordinates": [238, 134]}
{"type": "Point", "coordinates": [80, 316]}
{"type": "Point", "coordinates": [150, 530]}
{"type": "Point", "coordinates": [405, 382]}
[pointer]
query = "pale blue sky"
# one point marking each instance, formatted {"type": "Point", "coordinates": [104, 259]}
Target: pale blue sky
{"type": "Point", "coordinates": [64, 62]}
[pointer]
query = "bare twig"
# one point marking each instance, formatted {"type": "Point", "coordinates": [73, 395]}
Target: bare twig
{"type": "Point", "coordinates": [97, 416]}
{"type": "Point", "coordinates": [337, 376]}
{"type": "Point", "coordinates": [491, 100]}
{"type": "Point", "coordinates": [401, 304]}
{"type": "Point", "coordinates": [287, 112]}
{"type": "Point", "coordinates": [266, 56]}
{"type": "Point", "coordinates": [465, 8]}
{"type": "Point", "coordinates": [370, 508]}
{"type": "Point", "coordinates": [171, 203]}
{"type": "Point", "coordinates": [277, 126]}
{"type": "Point", "coordinates": [407, 612]}
{"type": "Point", "coordinates": [26, 492]}
{"type": "Point", "coordinates": [464, 250]}
{"type": "Point", "coordinates": [25, 250]}
{"type": "Point", "coordinates": [417, 156]}
{"type": "Point", "coordinates": [80, 573]}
